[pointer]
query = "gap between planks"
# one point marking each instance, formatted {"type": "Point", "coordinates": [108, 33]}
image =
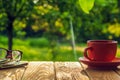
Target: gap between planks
{"type": "Point", "coordinates": [70, 71]}
{"type": "Point", "coordinates": [55, 71]}
{"type": "Point", "coordinates": [58, 71]}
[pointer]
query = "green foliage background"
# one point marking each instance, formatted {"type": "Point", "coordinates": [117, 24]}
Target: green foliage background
{"type": "Point", "coordinates": [39, 26]}
{"type": "Point", "coordinates": [46, 18]}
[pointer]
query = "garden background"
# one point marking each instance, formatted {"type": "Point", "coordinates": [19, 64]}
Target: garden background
{"type": "Point", "coordinates": [42, 28]}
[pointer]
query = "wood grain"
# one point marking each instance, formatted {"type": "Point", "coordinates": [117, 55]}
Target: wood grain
{"type": "Point", "coordinates": [101, 74]}
{"type": "Point", "coordinates": [69, 71]}
{"type": "Point", "coordinates": [39, 71]}
{"type": "Point", "coordinates": [12, 74]}
{"type": "Point", "coordinates": [58, 71]}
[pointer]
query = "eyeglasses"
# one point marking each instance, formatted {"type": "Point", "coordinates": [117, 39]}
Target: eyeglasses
{"type": "Point", "coordinates": [10, 55]}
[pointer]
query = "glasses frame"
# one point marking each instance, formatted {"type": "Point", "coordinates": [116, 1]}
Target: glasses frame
{"type": "Point", "coordinates": [9, 53]}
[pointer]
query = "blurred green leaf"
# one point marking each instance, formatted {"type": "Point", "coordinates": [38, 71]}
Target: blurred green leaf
{"type": "Point", "coordinates": [86, 5]}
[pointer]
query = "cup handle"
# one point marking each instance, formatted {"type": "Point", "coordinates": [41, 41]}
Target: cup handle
{"type": "Point", "coordinates": [85, 52]}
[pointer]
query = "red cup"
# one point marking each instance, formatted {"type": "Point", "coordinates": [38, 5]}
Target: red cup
{"type": "Point", "coordinates": [100, 50]}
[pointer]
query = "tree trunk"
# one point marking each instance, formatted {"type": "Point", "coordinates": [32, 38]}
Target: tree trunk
{"type": "Point", "coordinates": [10, 31]}
{"type": "Point", "coordinates": [10, 35]}
{"type": "Point", "coordinates": [11, 19]}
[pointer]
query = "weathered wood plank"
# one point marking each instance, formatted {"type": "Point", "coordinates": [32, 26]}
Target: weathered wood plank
{"type": "Point", "coordinates": [118, 70]}
{"type": "Point", "coordinates": [39, 71]}
{"type": "Point", "coordinates": [69, 71]}
{"type": "Point", "coordinates": [101, 74]}
{"type": "Point", "coordinates": [12, 73]}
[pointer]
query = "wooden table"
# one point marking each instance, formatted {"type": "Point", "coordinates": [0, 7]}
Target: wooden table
{"type": "Point", "coordinates": [57, 71]}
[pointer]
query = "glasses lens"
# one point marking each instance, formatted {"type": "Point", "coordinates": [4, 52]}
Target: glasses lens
{"type": "Point", "coordinates": [3, 53]}
{"type": "Point", "coordinates": [16, 55]}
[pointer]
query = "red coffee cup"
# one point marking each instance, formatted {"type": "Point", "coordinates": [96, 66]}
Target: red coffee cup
{"type": "Point", "coordinates": [100, 50]}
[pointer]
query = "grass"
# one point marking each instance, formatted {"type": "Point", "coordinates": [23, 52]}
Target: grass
{"type": "Point", "coordinates": [38, 49]}
{"type": "Point", "coordinates": [35, 49]}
